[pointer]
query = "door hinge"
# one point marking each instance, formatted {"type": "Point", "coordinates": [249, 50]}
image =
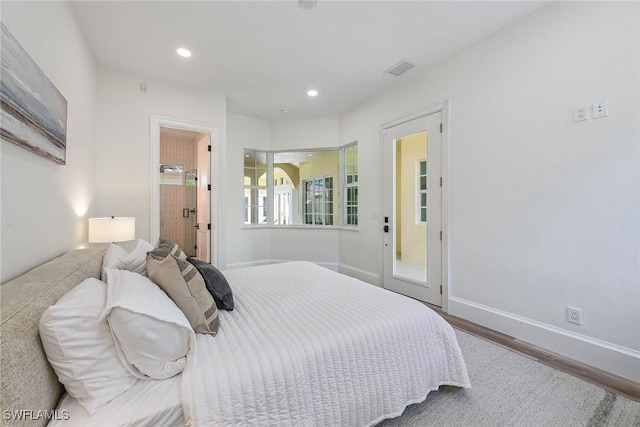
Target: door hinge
{"type": "Point", "coordinates": [440, 181]}
{"type": "Point", "coordinates": [440, 289]}
{"type": "Point", "coordinates": [195, 246]}
{"type": "Point", "coordinates": [440, 127]}
{"type": "Point", "coordinates": [208, 226]}
{"type": "Point", "coordinates": [209, 187]}
{"type": "Point", "coordinates": [441, 235]}
{"type": "Point", "coordinates": [208, 148]}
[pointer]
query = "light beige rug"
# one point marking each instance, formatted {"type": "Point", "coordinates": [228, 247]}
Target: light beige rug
{"type": "Point", "coordinates": [509, 389]}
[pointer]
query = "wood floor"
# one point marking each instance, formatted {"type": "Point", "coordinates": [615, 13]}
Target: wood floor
{"type": "Point", "coordinates": [606, 380]}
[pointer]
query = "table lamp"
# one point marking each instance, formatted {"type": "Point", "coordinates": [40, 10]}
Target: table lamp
{"type": "Point", "coordinates": [112, 229]}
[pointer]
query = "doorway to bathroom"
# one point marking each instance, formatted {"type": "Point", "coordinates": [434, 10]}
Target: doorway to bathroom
{"type": "Point", "coordinates": [183, 203]}
{"type": "Point", "coordinates": [185, 170]}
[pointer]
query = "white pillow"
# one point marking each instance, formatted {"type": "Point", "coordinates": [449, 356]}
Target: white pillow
{"type": "Point", "coordinates": [152, 335]}
{"type": "Point", "coordinates": [136, 260]}
{"type": "Point", "coordinates": [80, 348]}
{"type": "Point", "coordinates": [113, 259]}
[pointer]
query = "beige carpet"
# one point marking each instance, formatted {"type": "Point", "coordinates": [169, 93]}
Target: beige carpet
{"type": "Point", "coordinates": [509, 389]}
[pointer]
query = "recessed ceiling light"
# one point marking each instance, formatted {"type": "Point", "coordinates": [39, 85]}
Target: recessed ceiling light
{"type": "Point", "coordinates": [312, 92]}
{"type": "Point", "coordinates": [184, 52]}
{"type": "Point", "coordinates": [284, 110]}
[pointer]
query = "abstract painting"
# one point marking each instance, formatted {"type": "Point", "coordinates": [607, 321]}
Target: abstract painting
{"type": "Point", "coordinates": [34, 113]}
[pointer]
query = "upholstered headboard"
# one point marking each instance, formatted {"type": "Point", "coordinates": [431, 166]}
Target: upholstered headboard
{"type": "Point", "coordinates": [27, 381]}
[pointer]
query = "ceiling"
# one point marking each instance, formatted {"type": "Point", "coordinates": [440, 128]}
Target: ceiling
{"type": "Point", "coordinates": [265, 55]}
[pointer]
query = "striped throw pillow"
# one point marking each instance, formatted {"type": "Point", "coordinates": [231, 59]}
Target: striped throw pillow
{"type": "Point", "coordinates": [164, 248]}
{"type": "Point", "coordinates": [187, 290]}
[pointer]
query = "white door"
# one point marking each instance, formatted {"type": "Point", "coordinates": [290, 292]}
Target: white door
{"type": "Point", "coordinates": [203, 217]}
{"type": "Point", "coordinates": [413, 208]}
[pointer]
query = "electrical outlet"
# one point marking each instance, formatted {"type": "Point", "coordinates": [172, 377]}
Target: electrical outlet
{"type": "Point", "coordinates": [574, 315]}
{"type": "Point", "coordinates": [580, 113]}
{"type": "Point", "coordinates": [600, 109]}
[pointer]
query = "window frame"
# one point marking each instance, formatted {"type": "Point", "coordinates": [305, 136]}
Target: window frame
{"type": "Point", "coordinates": [326, 203]}
{"type": "Point", "coordinates": [338, 189]}
{"type": "Point", "coordinates": [349, 187]}
{"type": "Point", "coordinates": [259, 208]}
{"type": "Point", "coordinates": [422, 193]}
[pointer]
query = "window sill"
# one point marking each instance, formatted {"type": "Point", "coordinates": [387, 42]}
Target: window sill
{"type": "Point", "coordinates": [299, 227]}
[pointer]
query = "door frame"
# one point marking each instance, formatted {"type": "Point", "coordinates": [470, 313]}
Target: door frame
{"type": "Point", "coordinates": [155, 123]}
{"type": "Point", "coordinates": [444, 108]}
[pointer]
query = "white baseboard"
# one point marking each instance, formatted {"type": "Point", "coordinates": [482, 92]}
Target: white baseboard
{"type": "Point", "coordinates": [363, 275]}
{"type": "Point", "coordinates": [600, 354]}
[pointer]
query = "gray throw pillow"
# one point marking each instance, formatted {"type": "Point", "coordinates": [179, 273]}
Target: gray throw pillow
{"type": "Point", "coordinates": [216, 283]}
{"type": "Point", "coordinates": [164, 248]}
{"type": "Point", "coordinates": [186, 287]}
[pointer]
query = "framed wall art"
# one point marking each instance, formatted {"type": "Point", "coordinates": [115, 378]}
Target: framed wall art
{"type": "Point", "coordinates": [34, 112]}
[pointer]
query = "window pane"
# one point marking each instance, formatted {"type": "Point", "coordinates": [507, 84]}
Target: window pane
{"type": "Point", "coordinates": [329, 182]}
{"type": "Point", "coordinates": [250, 176]}
{"type": "Point", "coordinates": [350, 184]}
{"type": "Point", "coordinates": [304, 186]}
{"type": "Point", "coordinates": [306, 174]}
{"type": "Point", "coordinates": [262, 177]}
{"type": "Point", "coordinates": [255, 187]}
{"type": "Point", "coordinates": [423, 182]}
{"type": "Point", "coordinates": [423, 168]}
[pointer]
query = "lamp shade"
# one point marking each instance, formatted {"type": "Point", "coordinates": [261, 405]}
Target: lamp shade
{"type": "Point", "coordinates": [112, 229]}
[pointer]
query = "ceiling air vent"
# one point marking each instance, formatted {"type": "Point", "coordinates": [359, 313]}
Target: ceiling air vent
{"type": "Point", "coordinates": [400, 68]}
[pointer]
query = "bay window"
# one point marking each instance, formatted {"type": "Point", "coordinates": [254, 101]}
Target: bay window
{"type": "Point", "coordinates": [302, 187]}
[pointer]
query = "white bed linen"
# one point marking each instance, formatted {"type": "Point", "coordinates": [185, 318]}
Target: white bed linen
{"type": "Point", "coordinates": [303, 346]}
{"type": "Point", "coordinates": [146, 403]}
{"type": "Point", "coordinates": [308, 346]}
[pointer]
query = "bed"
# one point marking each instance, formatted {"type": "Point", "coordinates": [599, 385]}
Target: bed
{"type": "Point", "coordinates": [303, 346]}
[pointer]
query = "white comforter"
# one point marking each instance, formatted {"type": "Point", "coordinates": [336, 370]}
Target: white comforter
{"type": "Point", "coordinates": [308, 346]}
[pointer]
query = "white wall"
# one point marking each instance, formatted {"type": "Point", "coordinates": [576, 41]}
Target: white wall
{"type": "Point", "coordinates": [544, 212]}
{"type": "Point", "coordinates": [320, 132]}
{"type": "Point", "coordinates": [123, 142]}
{"type": "Point", "coordinates": [244, 245]}
{"type": "Point", "coordinates": [293, 244]}
{"type": "Point", "coordinates": [45, 206]}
